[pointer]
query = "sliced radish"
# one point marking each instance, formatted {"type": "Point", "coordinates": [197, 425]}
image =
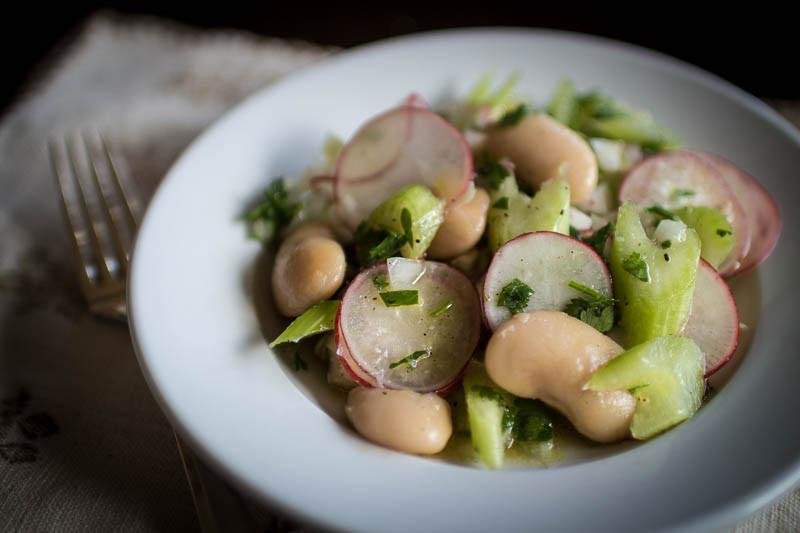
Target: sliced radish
{"type": "Point", "coordinates": [370, 336]}
{"type": "Point", "coordinates": [714, 321]}
{"type": "Point", "coordinates": [682, 178]}
{"type": "Point", "coordinates": [409, 144]}
{"type": "Point", "coordinates": [546, 262]}
{"type": "Point", "coordinates": [762, 211]}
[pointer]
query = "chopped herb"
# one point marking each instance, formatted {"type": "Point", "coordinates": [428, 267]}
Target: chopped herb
{"type": "Point", "coordinates": [298, 362]}
{"type": "Point", "coordinates": [588, 291]}
{"type": "Point", "coordinates": [723, 232]}
{"type": "Point", "coordinates": [405, 221]}
{"type": "Point", "coordinates": [380, 282]}
{"type": "Point", "coordinates": [666, 244]}
{"type": "Point", "coordinates": [661, 212]}
{"type": "Point", "coordinates": [502, 203]}
{"type": "Point", "coordinates": [273, 213]}
{"type": "Point", "coordinates": [637, 267]}
{"type": "Point", "coordinates": [374, 244]}
{"type": "Point", "coordinates": [494, 172]}
{"type": "Point", "coordinates": [412, 359]}
{"type": "Point", "coordinates": [514, 116]}
{"type": "Point", "coordinates": [573, 232]}
{"type": "Point", "coordinates": [597, 240]}
{"type": "Point", "coordinates": [515, 296]}
{"type": "Point", "coordinates": [682, 193]}
{"type": "Point", "coordinates": [636, 389]}
{"type": "Point", "coordinates": [400, 298]}
{"type": "Point", "coordinates": [532, 421]}
{"type": "Point", "coordinates": [442, 309]}
{"type": "Point", "coordinates": [489, 393]}
{"type": "Point", "coordinates": [597, 311]}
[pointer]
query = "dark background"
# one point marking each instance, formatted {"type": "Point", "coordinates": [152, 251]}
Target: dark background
{"type": "Point", "coordinates": [755, 48]}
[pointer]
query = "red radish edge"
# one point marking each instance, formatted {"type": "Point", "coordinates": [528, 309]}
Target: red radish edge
{"type": "Point", "coordinates": [411, 105]}
{"type": "Point", "coordinates": [735, 344]}
{"type": "Point", "coordinates": [773, 212]}
{"type": "Point", "coordinates": [744, 246]}
{"type": "Point", "coordinates": [343, 350]}
{"type": "Point", "coordinates": [583, 244]}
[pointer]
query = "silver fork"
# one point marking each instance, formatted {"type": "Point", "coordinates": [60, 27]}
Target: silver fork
{"type": "Point", "coordinates": [103, 209]}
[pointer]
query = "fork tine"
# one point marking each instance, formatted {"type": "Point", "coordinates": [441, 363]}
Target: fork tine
{"type": "Point", "coordinates": [93, 207]}
{"type": "Point", "coordinates": [129, 192]}
{"type": "Point", "coordinates": [107, 181]}
{"type": "Point", "coordinates": [73, 209]}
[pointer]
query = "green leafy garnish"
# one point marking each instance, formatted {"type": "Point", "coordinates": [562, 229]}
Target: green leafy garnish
{"type": "Point", "coordinates": [442, 309]}
{"type": "Point", "coordinates": [412, 359]}
{"type": "Point", "coordinates": [573, 232]}
{"type": "Point", "coordinates": [380, 281]}
{"type": "Point", "coordinates": [637, 267]}
{"type": "Point", "coordinates": [489, 393]}
{"type": "Point", "coordinates": [276, 211]}
{"type": "Point", "coordinates": [405, 221]}
{"type": "Point", "coordinates": [501, 203]}
{"type": "Point", "coordinates": [493, 172]}
{"type": "Point", "coordinates": [530, 421]}
{"type": "Point", "coordinates": [515, 296]}
{"type": "Point", "coordinates": [376, 244]}
{"type": "Point", "coordinates": [400, 298]}
{"type": "Point", "coordinates": [597, 240]}
{"type": "Point", "coordinates": [318, 319]}
{"type": "Point", "coordinates": [661, 212]}
{"type": "Point", "coordinates": [682, 193]}
{"type": "Point", "coordinates": [299, 363]}
{"type": "Point", "coordinates": [514, 116]}
{"type": "Point", "coordinates": [723, 232]}
{"type": "Point", "coordinates": [597, 311]}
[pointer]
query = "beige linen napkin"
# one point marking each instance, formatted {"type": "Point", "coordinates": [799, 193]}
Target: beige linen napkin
{"type": "Point", "coordinates": [83, 446]}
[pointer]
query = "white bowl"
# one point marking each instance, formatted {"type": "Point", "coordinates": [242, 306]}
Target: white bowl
{"type": "Point", "coordinates": [277, 434]}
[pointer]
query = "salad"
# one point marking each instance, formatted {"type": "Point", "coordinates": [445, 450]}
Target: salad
{"type": "Point", "coordinates": [498, 271]}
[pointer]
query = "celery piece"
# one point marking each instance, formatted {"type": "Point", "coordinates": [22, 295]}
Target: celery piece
{"type": "Point", "coordinates": [413, 212]}
{"type": "Point", "coordinates": [659, 303]}
{"type": "Point", "coordinates": [665, 375]}
{"type": "Point", "coordinates": [318, 319]}
{"type": "Point", "coordinates": [486, 410]}
{"type": "Point", "coordinates": [716, 233]}
{"type": "Point", "coordinates": [563, 105]}
{"type": "Point", "coordinates": [548, 210]}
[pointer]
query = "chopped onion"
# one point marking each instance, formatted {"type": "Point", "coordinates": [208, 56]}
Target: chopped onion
{"type": "Point", "coordinates": [670, 230]}
{"type": "Point", "coordinates": [579, 220]}
{"type": "Point", "coordinates": [404, 272]}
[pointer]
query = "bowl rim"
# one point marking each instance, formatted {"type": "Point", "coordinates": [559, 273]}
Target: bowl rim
{"type": "Point", "coordinates": [723, 515]}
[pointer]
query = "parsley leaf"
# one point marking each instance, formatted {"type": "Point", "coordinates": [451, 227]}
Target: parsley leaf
{"type": "Point", "coordinates": [494, 172]}
{"type": "Point", "coordinates": [597, 311]}
{"type": "Point", "coordinates": [374, 244]}
{"type": "Point", "coordinates": [597, 240]}
{"type": "Point", "coordinates": [412, 359]}
{"type": "Point", "coordinates": [532, 421]}
{"type": "Point", "coordinates": [573, 232]}
{"type": "Point", "coordinates": [515, 296]}
{"type": "Point", "coordinates": [637, 267]}
{"type": "Point", "coordinates": [501, 203]}
{"type": "Point", "coordinates": [276, 211]}
{"type": "Point", "coordinates": [661, 212]}
{"type": "Point", "coordinates": [380, 282]}
{"type": "Point", "coordinates": [400, 298]}
{"type": "Point", "coordinates": [442, 309]}
{"type": "Point", "coordinates": [514, 116]}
